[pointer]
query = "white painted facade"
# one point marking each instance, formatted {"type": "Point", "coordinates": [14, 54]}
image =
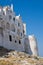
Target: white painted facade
{"type": "Point", "coordinates": [33, 44]}
{"type": "Point", "coordinates": [13, 32]}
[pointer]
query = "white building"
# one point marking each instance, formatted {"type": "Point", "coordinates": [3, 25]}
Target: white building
{"type": "Point", "coordinates": [13, 32]}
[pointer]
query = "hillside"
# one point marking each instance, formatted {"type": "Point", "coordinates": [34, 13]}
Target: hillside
{"type": "Point", "coordinates": [8, 57]}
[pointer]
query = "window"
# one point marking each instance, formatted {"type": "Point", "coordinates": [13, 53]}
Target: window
{"type": "Point", "coordinates": [10, 17]}
{"type": "Point", "coordinates": [3, 13]}
{"type": "Point", "coordinates": [23, 31]}
{"type": "Point", "coordinates": [10, 37]}
{"type": "Point", "coordinates": [19, 42]}
{"type": "Point", "coordinates": [1, 17]}
{"type": "Point", "coordinates": [15, 41]}
{"type": "Point", "coordinates": [21, 34]}
{"type": "Point", "coordinates": [14, 19]}
{"type": "Point", "coordinates": [18, 24]}
{"type": "Point", "coordinates": [1, 31]}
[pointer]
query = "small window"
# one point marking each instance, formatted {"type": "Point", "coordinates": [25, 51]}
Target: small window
{"type": "Point", "coordinates": [21, 34]}
{"type": "Point", "coordinates": [10, 17]}
{"type": "Point", "coordinates": [15, 41]}
{"type": "Point", "coordinates": [10, 37]}
{"type": "Point", "coordinates": [23, 31]}
{"type": "Point", "coordinates": [18, 24]}
{"type": "Point", "coordinates": [0, 18]}
{"type": "Point", "coordinates": [14, 19]}
{"type": "Point", "coordinates": [19, 42]}
{"type": "Point", "coordinates": [1, 31]}
{"type": "Point", "coordinates": [3, 13]}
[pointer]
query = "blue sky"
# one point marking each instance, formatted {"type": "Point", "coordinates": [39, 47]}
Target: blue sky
{"type": "Point", "coordinates": [32, 14]}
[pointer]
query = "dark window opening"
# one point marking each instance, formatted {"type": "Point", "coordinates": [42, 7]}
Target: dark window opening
{"type": "Point", "coordinates": [10, 37]}
{"type": "Point", "coordinates": [13, 19]}
{"type": "Point", "coordinates": [18, 24]}
{"type": "Point", "coordinates": [1, 31]}
{"type": "Point", "coordinates": [23, 31]}
{"type": "Point", "coordinates": [19, 42]}
{"type": "Point", "coordinates": [15, 41]}
{"type": "Point", "coordinates": [21, 34]}
{"type": "Point", "coordinates": [0, 18]}
{"type": "Point", "coordinates": [3, 13]}
{"type": "Point", "coordinates": [10, 17]}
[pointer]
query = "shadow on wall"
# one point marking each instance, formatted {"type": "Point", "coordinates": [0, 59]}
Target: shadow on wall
{"type": "Point", "coordinates": [27, 46]}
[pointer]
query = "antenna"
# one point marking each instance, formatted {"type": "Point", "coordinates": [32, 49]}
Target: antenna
{"type": "Point", "coordinates": [12, 7]}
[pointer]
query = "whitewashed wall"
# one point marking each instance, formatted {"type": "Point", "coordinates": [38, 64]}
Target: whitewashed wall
{"type": "Point", "coordinates": [33, 44]}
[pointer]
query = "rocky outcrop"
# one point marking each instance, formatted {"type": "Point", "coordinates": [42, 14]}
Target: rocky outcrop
{"type": "Point", "coordinates": [9, 57]}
